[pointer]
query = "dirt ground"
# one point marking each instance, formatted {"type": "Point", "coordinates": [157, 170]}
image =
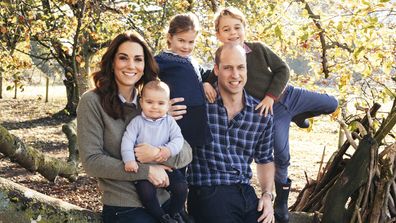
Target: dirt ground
{"type": "Point", "coordinates": [28, 118]}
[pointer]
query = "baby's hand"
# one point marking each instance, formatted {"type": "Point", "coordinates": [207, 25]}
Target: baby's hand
{"type": "Point", "coordinates": [131, 166]}
{"type": "Point", "coordinates": [163, 155]}
{"type": "Point", "coordinates": [210, 92]}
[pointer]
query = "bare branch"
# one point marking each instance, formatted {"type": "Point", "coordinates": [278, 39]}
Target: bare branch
{"type": "Point", "coordinates": [347, 134]}
{"type": "Point", "coordinates": [316, 20]}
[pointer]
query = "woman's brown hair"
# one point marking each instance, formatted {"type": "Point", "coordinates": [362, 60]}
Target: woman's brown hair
{"type": "Point", "coordinates": [104, 79]}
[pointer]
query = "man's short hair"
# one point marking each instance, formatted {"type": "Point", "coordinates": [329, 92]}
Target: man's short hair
{"type": "Point", "coordinates": [227, 46]}
{"type": "Point", "coordinates": [156, 85]}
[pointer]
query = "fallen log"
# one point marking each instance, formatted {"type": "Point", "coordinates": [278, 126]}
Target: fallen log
{"type": "Point", "coordinates": [34, 160]}
{"type": "Point", "coordinates": [19, 204]}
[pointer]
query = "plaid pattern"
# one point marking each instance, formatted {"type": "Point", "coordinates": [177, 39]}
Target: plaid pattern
{"type": "Point", "coordinates": [226, 160]}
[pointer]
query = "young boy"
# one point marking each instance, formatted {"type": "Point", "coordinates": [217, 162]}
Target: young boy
{"type": "Point", "coordinates": [160, 130]}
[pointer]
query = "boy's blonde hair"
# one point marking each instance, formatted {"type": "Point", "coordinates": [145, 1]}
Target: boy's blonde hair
{"type": "Point", "coordinates": [229, 11]}
{"type": "Point", "coordinates": [156, 85]}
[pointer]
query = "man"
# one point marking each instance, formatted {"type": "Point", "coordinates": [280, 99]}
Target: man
{"type": "Point", "coordinates": [219, 175]}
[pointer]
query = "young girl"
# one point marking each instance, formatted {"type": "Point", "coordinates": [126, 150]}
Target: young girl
{"type": "Point", "coordinates": [267, 80]}
{"type": "Point", "coordinates": [184, 76]}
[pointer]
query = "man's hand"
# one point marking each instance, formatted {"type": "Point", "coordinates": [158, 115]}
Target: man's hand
{"type": "Point", "coordinates": [146, 153]}
{"type": "Point", "coordinates": [265, 206]}
{"type": "Point", "coordinates": [210, 92]}
{"type": "Point", "coordinates": [131, 166]}
{"type": "Point", "coordinates": [265, 106]}
{"type": "Point", "coordinates": [177, 111]}
{"type": "Point", "coordinates": [157, 175]}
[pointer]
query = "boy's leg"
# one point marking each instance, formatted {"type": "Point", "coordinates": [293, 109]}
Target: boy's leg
{"type": "Point", "coordinates": [148, 196]}
{"type": "Point", "coordinates": [178, 191]}
{"type": "Point", "coordinates": [303, 104]}
{"type": "Point", "coordinates": [282, 119]}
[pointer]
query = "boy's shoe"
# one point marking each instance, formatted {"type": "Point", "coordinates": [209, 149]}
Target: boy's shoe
{"type": "Point", "coordinates": [302, 123]}
{"type": "Point", "coordinates": [167, 219]}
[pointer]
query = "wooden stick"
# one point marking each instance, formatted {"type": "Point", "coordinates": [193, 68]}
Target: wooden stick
{"type": "Point", "coordinates": [371, 170]}
{"type": "Point", "coordinates": [340, 153]}
{"type": "Point", "coordinates": [347, 134]}
{"type": "Point", "coordinates": [357, 205]}
{"type": "Point", "coordinates": [320, 173]}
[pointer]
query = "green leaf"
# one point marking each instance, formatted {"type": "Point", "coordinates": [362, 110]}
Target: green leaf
{"type": "Point", "coordinates": [384, 0]}
{"type": "Point", "coordinates": [339, 26]}
{"type": "Point", "coordinates": [357, 52]}
{"type": "Point", "coordinates": [304, 37]}
{"type": "Point", "coordinates": [278, 31]}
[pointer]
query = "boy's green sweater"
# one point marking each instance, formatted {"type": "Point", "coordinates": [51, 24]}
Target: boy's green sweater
{"type": "Point", "coordinates": [267, 73]}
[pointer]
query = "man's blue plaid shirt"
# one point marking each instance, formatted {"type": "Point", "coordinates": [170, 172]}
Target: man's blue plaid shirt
{"type": "Point", "coordinates": [226, 160]}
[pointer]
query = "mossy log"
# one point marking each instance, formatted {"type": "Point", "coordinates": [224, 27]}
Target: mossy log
{"type": "Point", "coordinates": [19, 204]}
{"type": "Point", "coordinates": [34, 160]}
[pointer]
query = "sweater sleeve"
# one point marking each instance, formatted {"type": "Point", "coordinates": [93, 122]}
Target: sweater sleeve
{"type": "Point", "coordinates": [205, 73]}
{"type": "Point", "coordinates": [211, 78]}
{"type": "Point", "coordinates": [280, 72]}
{"type": "Point", "coordinates": [176, 140]}
{"type": "Point", "coordinates": [129, 140]}
{"type": "Point", "coordinates": [94, 158]}
{"type": "Point", "coordinates": [182, 159]}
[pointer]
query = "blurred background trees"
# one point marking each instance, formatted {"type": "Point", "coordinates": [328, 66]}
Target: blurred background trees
{"type": "Point", "coordinates": [346, 45]}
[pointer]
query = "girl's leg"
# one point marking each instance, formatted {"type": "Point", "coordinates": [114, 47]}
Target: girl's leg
{"type": "Point", "coordinates": [148, 196]}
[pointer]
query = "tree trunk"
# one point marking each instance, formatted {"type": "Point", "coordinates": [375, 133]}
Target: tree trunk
{"type": "Point", "coordinates": [72, 94]}
{"type": "Point", "coordinates": [46, 88]}
{"type": "Point", "coordinates": [70, 129]}
{"type": "Point", "coordinates": [34, 160]}
{"type": "Point", "coordinates": [19, 204]}
{"type": "Point", "coordinates": [15, 89]}
{"type": "Point", "coordinates": [83, 80]}
{"type": "Point", "coordinates": [1, 84]}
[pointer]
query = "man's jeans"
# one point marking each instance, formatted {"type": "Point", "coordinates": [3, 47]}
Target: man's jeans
{"type": "Point", "coordinates": [223, 204]}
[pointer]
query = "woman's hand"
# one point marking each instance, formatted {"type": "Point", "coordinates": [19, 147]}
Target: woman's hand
{"type": "Point", "coordinates": [210, 92]}
{"type": "Point", "coordinates": [265, 106]}
{"type": "Point", "coordinates": [157, 175]}
{"type": "Point", "coordinates": [177, 111]}
{"type": "Point", "coordinates": [146, 153]}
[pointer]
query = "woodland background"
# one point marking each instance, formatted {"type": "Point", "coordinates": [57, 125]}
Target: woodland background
{"type": "Point", "coordinates": [345, 47]}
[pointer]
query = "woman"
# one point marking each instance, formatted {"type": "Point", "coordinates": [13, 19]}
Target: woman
{"type": "Point", "coordinates": [102, 116]}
